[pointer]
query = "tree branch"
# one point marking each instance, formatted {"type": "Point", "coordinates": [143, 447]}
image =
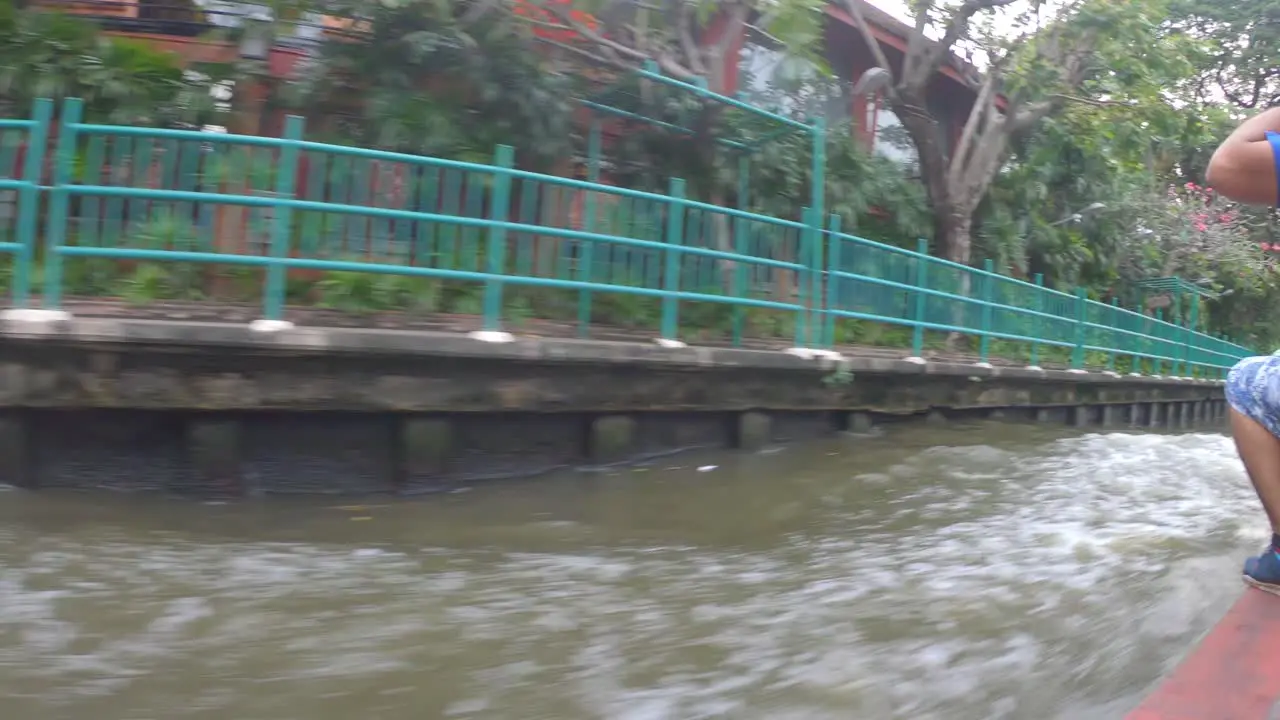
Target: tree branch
{"type": "Point", "coordinates": [917, 38]}
{"type": "Point", "coordinates": [586, 54]}
{"type": "Point", "coordinates": [932, 54]}
{"type": "Point", "coordinates": [1092, 102]}
{"type": "Point", "coordinates": [562, 14]}
{"type": "Point", "coordinates": [979, 114]}
{"type": "Point", "coordinates": [854, 7]}
{"type": "Point", "coordinates": [684, 31]}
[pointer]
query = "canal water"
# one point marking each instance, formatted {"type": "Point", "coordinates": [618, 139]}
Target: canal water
{"type": "Point", "coordinates": [977, 571]}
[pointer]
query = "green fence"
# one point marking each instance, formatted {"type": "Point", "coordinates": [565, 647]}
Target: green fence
{"type": "Point", "coordinates": [525, 244]}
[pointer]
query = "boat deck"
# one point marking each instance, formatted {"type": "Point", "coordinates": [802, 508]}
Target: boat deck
{"type": "Point", "coordinates": [1233, 674]}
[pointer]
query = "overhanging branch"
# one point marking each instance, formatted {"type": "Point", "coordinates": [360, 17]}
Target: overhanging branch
{"type": "Point", "coordinates": [854, 7]}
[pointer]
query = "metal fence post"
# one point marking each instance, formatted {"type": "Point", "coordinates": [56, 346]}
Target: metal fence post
{"type": "Point", "coordinates": [817, 209]}
{"type": "Point", "coordinates": [587, 248]}
{"type": "Point", "coordinates": [802, 280]}
{"type": "Point", "coordinates": [63, 159]}
{"type": "Point", "coordinates": [1141, 340]}
{"type": "Point", "coordinates": [1036, 324]}
{"type": "Point", "coordinates": [1115, 319]}
{"type": "Point", "coordinates": [922, 282]}
{"type": "Point", "coordinates": [740, 247]}
{"type": "Point", "coordinates": [833, 282]}
{"type": "Point", "coordinates": [671, 276]}
{"type": "Point", "coordinates": [282, 220]}
{"type": "Point", "coordinates": [499, 200]}
{"type": "Point", "coordinates": [1192, 320]}
{"type": "Point", "coordinates": [801, 332]}
{"type": "Point", "coordinates": [1158, 350]}
{"type": "Point", "coordinates": [988, 285]}
{"type": "Point", "coordinates": [1077, 352]}
{"type": "Point", "coordinates": [29, 200]}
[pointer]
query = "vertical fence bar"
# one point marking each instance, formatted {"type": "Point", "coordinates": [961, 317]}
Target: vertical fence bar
{"type": "Point", "coordinates": [1036, 324]}
{"type": "Point", "coordinates": [29, 200]}
{"type": "Point", "coordinates": [63, 159]}
{"type": "Point", "coordinates": [1139, 340]}
{"type": "Point", "coordinates": [1115, 321]}
{"type": "Point", "coordinates": [1193, 317]}
{"type": "Point", "coordinates": [988, 288]}
{"type": "Point", "coordinates": [1158, 351]}
{"type": "Point", "coordinates": [922, 282]}
{"type": "Point", "coordinates": [1223, 340]}
{"type": "Point", "coordinates": [815, 267]}
{"type": "Point", "coordinates": [671, 276]}
{"type": "Point", "coordinates": [282, 220]}
{"type": "Point", "coordinates": [740, 230]}
{"type": "Point", "coordinates": [586, 248]}
{"type": "Point", "coordinates": [499, 202]}
{"type": "Point", "coordinates": [1077, 352]}
{"type": "Point", "coordinates": [817, 209]}
{"type": "Point", "coordinates": [802, 280]}
{"type": "Point", "coordinates": [833, 282]}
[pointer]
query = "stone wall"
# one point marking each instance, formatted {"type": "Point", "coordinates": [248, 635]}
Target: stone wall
{"type": "Point", "coordinates": [218, 409]}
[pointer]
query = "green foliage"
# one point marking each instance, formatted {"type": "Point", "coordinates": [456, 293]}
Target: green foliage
{"type": "Point", "coordinates": [425, 79]}
{"type": "Point", "coordinates": [1234, 46]}
{"type": "Point", "coordinates": [369, 292]}
{"type": "Point", "coordinates": [51, 55]}
{"type": "Point", "coordinates": [867, 191]}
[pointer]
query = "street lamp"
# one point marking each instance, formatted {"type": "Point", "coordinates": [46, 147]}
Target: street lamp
{"type": "Point", "coordinates": [872, 81]}
{"type": "Point", "coordinates": [255, 43]}
{"type": "Point", "coordinates": [1079, 214]}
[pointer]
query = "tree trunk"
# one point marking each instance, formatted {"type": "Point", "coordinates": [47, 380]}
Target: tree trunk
{"type": "Point", "coordinates": [953, 227]}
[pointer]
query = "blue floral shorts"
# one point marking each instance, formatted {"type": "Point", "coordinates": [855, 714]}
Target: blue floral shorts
{"type": "Point", "coordinates": [1253, 389]}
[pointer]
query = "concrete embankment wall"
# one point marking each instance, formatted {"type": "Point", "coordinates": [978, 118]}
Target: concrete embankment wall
{"type": "Point", "coordinates": [205, 408]}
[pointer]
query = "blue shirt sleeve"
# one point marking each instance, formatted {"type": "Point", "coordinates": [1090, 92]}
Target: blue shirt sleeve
{"type": "Point", "coordinates": [1274, 140]}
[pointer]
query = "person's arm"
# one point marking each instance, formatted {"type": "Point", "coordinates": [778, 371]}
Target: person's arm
{"type": "Point", "coordinates": [1246, 167]}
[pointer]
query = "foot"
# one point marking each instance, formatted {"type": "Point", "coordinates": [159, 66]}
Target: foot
{"type": "Point", "coordinates": [1263, 571]}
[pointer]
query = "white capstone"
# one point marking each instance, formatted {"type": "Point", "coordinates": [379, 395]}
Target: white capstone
{"type": "Point", "coordinates": [491, 336]}
{"type": "Point", "coordinates": [35, 315]}
{"type": "Point", "coordinates": [262, 325]}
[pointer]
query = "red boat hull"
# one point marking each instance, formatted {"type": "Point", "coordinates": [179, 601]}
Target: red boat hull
{"type": "Point", "coordinates": [1234, 674]}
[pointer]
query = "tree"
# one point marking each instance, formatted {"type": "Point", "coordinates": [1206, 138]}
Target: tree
{"type": "Point", "coordinates": [1087, 155]}
{"type": "Point", "coordinates": [1082, 53]}
{"type": "Point", "coordinates": [1188, 231]}
{"type": "Point", "coordinates": [1239, 43]}
{"type": "Point", "coordinates": [447, 79]}
{"type": "Point", "coordinates": [52, 55]}
{"type": "Point", "coordinates": [688, 40]}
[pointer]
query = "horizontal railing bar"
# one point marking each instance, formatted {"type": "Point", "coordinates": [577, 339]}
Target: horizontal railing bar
{"type": "Point", "coordinates": [388, 269]}
{"type": "Point", "coordinates": [377, 212]}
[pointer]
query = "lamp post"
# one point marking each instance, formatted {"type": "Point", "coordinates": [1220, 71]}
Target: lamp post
{"type": "Point", "coordinates": [872, 81]}
{"type": "Point", "coordinates": [1080, 214]}
{"type": "Point", "coordinates": [249, 95]}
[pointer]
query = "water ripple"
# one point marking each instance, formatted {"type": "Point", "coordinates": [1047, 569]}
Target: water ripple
{"type": "Point", "coordinates": [872, 578]}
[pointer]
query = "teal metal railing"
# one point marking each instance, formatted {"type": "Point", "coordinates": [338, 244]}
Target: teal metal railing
{"type": "Point", "coordinates": [287, 206]}
{"type": "Point", "coordinates": [22, 146]}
